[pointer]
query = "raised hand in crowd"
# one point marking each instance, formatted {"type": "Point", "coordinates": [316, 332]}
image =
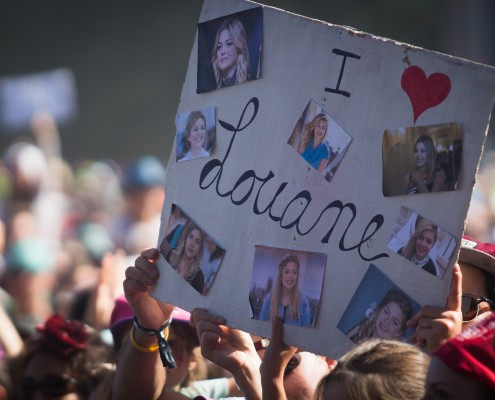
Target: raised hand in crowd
{"type": "Point", "coordinates": [142, 375]}
{"type": "Point", "coordinates": [435, 325]}
{"type": "Point", "coordinates": [231, 349]}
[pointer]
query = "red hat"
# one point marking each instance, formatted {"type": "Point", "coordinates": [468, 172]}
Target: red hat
{"type": "Point", "coordinates": [481, 255]}
{"type": "Point", "coordinates": [471, 353]}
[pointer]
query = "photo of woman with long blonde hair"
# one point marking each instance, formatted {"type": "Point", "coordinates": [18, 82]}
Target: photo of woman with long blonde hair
{"type": "Point", "coordinates": [229, 50]}
{"type": "Point", "coordinates": [186, 257]}
{"type": "Point", "coordinates": [285, 299]}
{"type": "Point", "coordinates": [312, 146]}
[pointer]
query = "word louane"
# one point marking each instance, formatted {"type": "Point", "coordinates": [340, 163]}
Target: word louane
{"type": "Point", "coordinates": [249, 178]}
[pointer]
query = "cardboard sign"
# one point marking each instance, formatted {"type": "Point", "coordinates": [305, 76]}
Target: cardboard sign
{"type": "Point", "coordinates": [21, 97]}
{"type": "Point", "coordinates": [332, 188]}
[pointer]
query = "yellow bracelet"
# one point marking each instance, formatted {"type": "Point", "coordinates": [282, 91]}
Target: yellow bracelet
{"type": "Point", "coordinates": [142, 349]}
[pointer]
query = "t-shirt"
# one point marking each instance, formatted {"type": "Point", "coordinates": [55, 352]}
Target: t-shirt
{"type": "Point", "coordinates": [209, 388]}
{"type": "Point", "coordinates": [315, 155]}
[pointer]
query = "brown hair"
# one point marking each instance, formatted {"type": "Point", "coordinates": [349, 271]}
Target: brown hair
{"type": "Point", "coordinates": [379, 370]}
{"type": "Point", "coordinates": [431, 156]}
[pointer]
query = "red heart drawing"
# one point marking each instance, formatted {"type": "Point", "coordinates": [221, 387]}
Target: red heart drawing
{"type": "Point", "coordinates": [424, 92]}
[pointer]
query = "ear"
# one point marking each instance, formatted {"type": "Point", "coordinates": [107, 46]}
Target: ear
{"type": "Point", "coordinates": [331, 363]}
{"type": "Point", "coordinates": [193, 362]}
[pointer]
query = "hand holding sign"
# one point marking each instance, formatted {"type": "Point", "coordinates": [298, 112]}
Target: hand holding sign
{"type": "Point", "coordinates": [434, 325]}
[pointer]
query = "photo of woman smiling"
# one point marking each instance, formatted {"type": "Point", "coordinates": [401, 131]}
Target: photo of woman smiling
{"type": "Point", "coordinates": [285, 299]}
{"type": "Point", "coordinates": [313, 147]}
{"type": "Point", "coordinates": [320, 140]}
{"type": "Point", "coordinates": [287, 283]}
{"type": "Point", "coordinates": [379, 309]}
{"type": "Point", "coordinates": [386, 321]}
{"type": "Point", "coordinates": [421, 159]}
{"type": "Point", "coordinates": [195, 134]}
{"type": "Point", "coordinates": [420, 244]}
{"type": "Point", "coordinates": [425, 177]}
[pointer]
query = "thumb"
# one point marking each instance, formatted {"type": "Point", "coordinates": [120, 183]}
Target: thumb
{"type": "Point", "coordinates": [277, 330]}
{"type": "Point", "coordinates": [454, 301]}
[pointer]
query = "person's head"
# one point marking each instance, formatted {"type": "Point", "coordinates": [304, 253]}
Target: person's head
{"type": "Point", "coordinates": [183, 340]}
{"type": "Point", "coordinates": [477, 262]}
{"type": "Point", "coordinates": [422, 240]}
{"type": "Point", "coordinates": [64, 362]}
{"type": "Point", "coordinates": [317, 128]}
{"type": "Point", "coordinates": [287, 282]}
{"type": "Point", "coordinates": [302, 374]}
{"type": "Point", "coordinates": [425, 155]}
{"type": "Point", "coordinates": [143, 184]}
{"type": "Point", "coordinates": [464, 366]}
{"type": "Point", "coordinates": [195, 133]}
{"type": "Point", "coordinates": [230, 52]}
{"type": "Point", "coordinates": [377, 370]}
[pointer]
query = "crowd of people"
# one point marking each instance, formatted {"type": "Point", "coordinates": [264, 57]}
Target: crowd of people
{"type": "Point", "coordinates": [78, 322]}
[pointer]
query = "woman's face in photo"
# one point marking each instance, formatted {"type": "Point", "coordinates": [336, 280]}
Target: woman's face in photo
{"type": "Point", "coordinates": [320, 131]}
{"type": "Point", "coordinates": [424, 243]}
{"type": "Point", "coordinates": [193, 243]}
{"type": "Point", "coordinates": [289, 275]}
{"type": "Point", "coordinates": [420, 155]}
{"type": "Point", "coordinates": [197, 134]}
{"type": "Point", "coordinates": [389, 321]}
{"type": "Point", "coordinates": [227, 53]}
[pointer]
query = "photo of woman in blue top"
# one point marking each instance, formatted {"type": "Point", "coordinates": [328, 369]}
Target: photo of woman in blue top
{"type": "Point", "coordinates": [312, 146]}
{"type": "Point", "coordinates": [285, 299]}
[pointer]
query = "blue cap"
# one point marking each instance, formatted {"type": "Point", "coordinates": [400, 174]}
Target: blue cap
{"type": "Point", "coordinates": [145, 172]}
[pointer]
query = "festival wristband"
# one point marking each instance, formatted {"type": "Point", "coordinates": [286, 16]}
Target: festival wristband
{"type": "Point", "coordinates": [163, 346]}
{"type": "Point", "coordinates": [142, 349]}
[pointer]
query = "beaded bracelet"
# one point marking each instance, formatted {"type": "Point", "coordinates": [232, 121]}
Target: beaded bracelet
{"type": "Point", "coordinates": [142, 349]}
{"type": "Point", "coordinates": [163, 346]}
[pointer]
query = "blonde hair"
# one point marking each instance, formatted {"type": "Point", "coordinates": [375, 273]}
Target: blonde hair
{"type": "Point", "coordinates": [238, 35]}
{"type": "Point", "coordinates": [422, 225]}
{"type": "Point", "coordinates": [379, 370]}
{"type": "Point", "coordinates": [295, 296]}
{"type": "Point", "coordinates": [367, 328]}
{"type": "Point", "coordinates": [177, 254]}
{"type": "Point", "coordinates": [309, 130]}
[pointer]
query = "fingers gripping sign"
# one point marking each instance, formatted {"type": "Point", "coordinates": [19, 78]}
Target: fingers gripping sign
{"type": "Point", "coordinates": [434, 325]}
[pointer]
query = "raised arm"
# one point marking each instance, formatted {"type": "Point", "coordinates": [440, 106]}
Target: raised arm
{"type": "Point", "coordinates": [140, 373]}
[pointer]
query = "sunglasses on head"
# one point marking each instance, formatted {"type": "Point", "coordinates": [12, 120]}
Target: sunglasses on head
{"type": "Point", "coordinates": [50, 386]}
{"type": "Point", "coordinates": [470, 306]}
